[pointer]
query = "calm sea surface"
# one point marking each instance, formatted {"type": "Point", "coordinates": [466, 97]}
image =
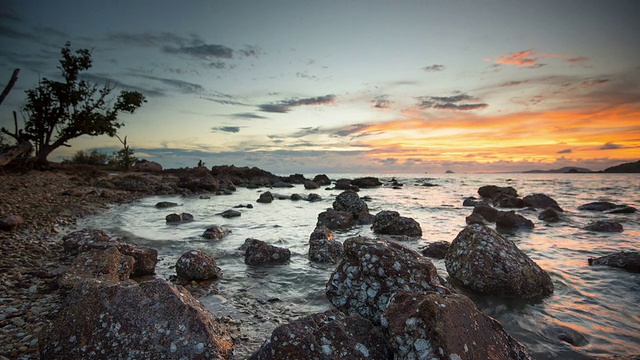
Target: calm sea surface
{"type": "Point", "coordinates": [601, 303]}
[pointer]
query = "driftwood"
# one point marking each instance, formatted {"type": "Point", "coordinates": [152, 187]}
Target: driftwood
{"type": "Point", "coordinates": [24, 147]}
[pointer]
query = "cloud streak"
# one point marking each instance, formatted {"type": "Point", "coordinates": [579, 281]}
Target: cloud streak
{"type": "Point", "coordinates": [457, 102]}
{"type": "Point", "coordinates": [285, 106]}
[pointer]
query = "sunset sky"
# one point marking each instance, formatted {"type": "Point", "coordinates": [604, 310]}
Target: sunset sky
{"type": "Point", "coordinates": [350, 86]}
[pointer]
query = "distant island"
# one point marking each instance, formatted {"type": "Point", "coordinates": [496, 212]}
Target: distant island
{"type": "Point", "coordinates": [633, 167]}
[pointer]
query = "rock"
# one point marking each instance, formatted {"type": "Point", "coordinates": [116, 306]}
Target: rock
{"type": "Point", "coordinates": [107, 266]}
{"type": "Point", "coordinates": [145, 165]}
{"type": "Point", "coordinates": [151, 320]}
{"type": "Point", "coordinates": [11, 222]}
{"type": "Point", "coordinates": [490, 191]}
{"type": "Point", "coordinates": [549, 215]}
{"type": "Point", "coordinates": [475, 218]}
{"type": "Point", "coordinates": [248, 206]}
{"type": "Point", "coordinates": [345, 184]}
{"type": "Point", "coordinates": [310, 185]}
{"type": "Point", "coordinates": [296, 179]}
{"type": "Point", "coordinates": [197, 265]}
{"type": "Point", "coordinates": [198, 180]}
{"type": "Point", "coordinates": [627, 260]}
{"type": "Point", "coordinates": [265, 198]}
{"type": "Point", "coordinates": [509, 220]}
{"type": "Point", "coordinates": [487, 212]}
{"type": "Point", "coordinates": [436, 250]}
{"type": "Point", "coordinates": [488, 264]}
{"type": "Point", "coordinates": [322, 180]}
{"type": "Point", "coordinates": [322, 246]}
{"type": "Point", "coordinates": [329, 335]}
{"type": "Point", "coordinates": [598, 206]}
{"type": "Point", "coordinates": [449, 326]}
{"type": "Point", "coordinates": [165, 204]}
{"type": "Point", "coordinates": [207, 197]}
{"type": "Point", "coordinates": [313, 198]}
{"type": "Point", "coordinates": [566, 334]}
{"type": "Point", "coordinates": [80, 241]}
{"type": "Point", "coordinates": [215, 232]}
{"type": "Point", "coordinates": [296, 197]}
{"type": "Point", "coordinates": [621, 209]}
{"type": "Point", "coordinates": [372, 270]}
{"type": "Point", "coordinates": [541, 201]}
{"type": "Point", "coordinates": [178, 218]}
{"type": "Point", "coordinates": [350, 201]}
{"type": "Point", "coordinates": [259, 252]}
{"type": "Point", "coordinates": [472, 201]}
{"type": "Point", "coordinates": [366, 182]}
{"type": "Point", "coordinates": [508, 201]}
{"type": "Point", "coordinates": [391, 223]}
{"type": "Point", "coordinates": [227, 214]}
{"type": "Point", "coordinates": [335, 220]}
{"type": "Point", "coordinates": [605, 226]}
{"type": "Point", "coordinates": [281, 184]}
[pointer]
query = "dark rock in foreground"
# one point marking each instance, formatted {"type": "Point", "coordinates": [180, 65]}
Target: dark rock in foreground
{"type": "Point", "coordinates": [372, 270]}
{"type": "Point", "coordinates": [11, 222]}
{"type": "Point", "coordinates": [449, 326]}
{"type": "Point", "coordinates": [259, 252]}
{"type": "Point", "coordinates": [329, 335]}
{"type": "Point", "coordinates": [391, 223]}
{"type": "Point", "coordinates": [436, 250]}
{"type": "Point", "coordinates": [151, 320]}
{"type": "Point", "coordinates": [323, 248]}
{"type": "Point", "coordinates": [605, 226]}
{"type": "Point", "coordinates": [486, 211]}
{"type": "Point", "coordinates": [627, 260]}
{"type": "Point", "coordinates": [488, 264]}
{"type": "Point", "coordinates": [197, 265]}
{"type": "Point", "coordinates": [108, 266]}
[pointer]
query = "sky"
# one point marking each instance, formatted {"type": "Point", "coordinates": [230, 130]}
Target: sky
{"type": "Point", "coordinates": [359, 86]}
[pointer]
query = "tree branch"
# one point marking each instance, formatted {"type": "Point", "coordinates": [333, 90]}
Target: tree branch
{"type": "Point", "coordinates": [7, 88]}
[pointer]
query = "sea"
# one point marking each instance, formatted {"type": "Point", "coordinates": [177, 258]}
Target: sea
{"type": "Point", "coordinates": [597, 305]}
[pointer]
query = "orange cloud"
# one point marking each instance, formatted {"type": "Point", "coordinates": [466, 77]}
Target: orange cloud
{"type": "Point", "coordinates": [529, 58]}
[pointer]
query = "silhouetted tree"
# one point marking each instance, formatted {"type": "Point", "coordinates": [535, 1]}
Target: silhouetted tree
{"type": "Point", "coordinates": [59, 111]}
{"type": "Point", "coordinates": [123, 158]}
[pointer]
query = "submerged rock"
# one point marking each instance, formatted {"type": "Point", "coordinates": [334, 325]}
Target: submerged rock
{"type": "Point", "coordinates": [436, 250]}
{"type": "Point", "coordinates": [391, 223]}
{"type": "Point", "coordinates": [178, 218]}
{"type": "Point", "coordinates": [329, 335]}
{"type": "Point", "coordinates": [350, 201]}
{"type": "Point", "coordinates": [509, 220]}
{"type": "Point", "coordinates": [488, 264]}
{"type": "Point", "coordinates": [197, 265]}
{"type": "Point", "coordinates": [227, 214]}
{"type": "Point", "coordinates": [215, 232]}
{"type": "Point", "coordinates": [151, 320]}
{"type": "Point", "coordinates": [541, 201]}
{"type": "Point", "coordinates": [265, 198]}
{"type": "Point", "coordinates": [335, 220]}
{"type": "Point", "coordinates": [627, 260]}
{"type": "Point", "coordinates": [310, 185]}
{"type": "Point", "coordinates": [549, 215]}
{"type": "Point", "coordinates": [597, 206]}
{"type": "Point", "coordinates": [372, 270]}
{"type": "Point", "coordinates": [322, 180]}
{"type": "Point", "coordinates": [259, 252]}
{"type": "Point", "coordinates": [445, 326]}
{"type": "Point", "coordinates": [605, 226]}
{"type": "Point", "coordinates": [508, 201]}
{"type": "Point", "coordinates": [621, 209]}
{"type": "Point", "coordinates": [366, 182]}
{"type": "Point", "coordinates": [345, 184]}
{"type": "Point", "coordinates": [490, 191]}
{"type": "Point", "coordinates": [486, 211]}
{"type": "Point", "coordinates": [165, 204]}
{"type": "Point", "coordinates": [323, 247]}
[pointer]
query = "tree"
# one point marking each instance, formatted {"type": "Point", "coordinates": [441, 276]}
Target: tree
{"type": "Point", "coordinates": [93, 157]}
{"type": "Point", "coordinates": [123, 158]}
{"type": "Point", "coordinates": [59, 111]}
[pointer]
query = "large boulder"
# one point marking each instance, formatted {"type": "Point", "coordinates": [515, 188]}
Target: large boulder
{"type": "Point", "coordinates": [11, 222]}
{"type": "Point", "coordinates": [366, 182]}
{"type": "Point", "coordinates": [80, 241]}
{"type": "Point", "coordinates": [323, 248]}
{"type": "Point", "coordinates": [197, 265]}
{"type": "Point", "coordinates": [322, 179]}
{"type": "Point", "coordinates": [215, 232]}
{"type": "Point", "coordinates": [265, 198]}
{"type": "Point", "coordinates": [145, 165]}
{"type": "Point", "coordinates": [510, 221]}
{"type": "Point", "coordinates": [372, 270]}
{"type": "Point", "coordinates": [605, 226]}
{"type": "Point", "coordinates": [107, 266]}
{"type": "Point", "coordinates": [445, 326]}
{"type": "Point", "coordinates": [490, 191]}
{"type": "Point", "coordinates": [350, 201]}
{"type": "Point", "coordinates": [259, 252]}
{"type": "Point", "coordinates": [627, 260]}
{"type": "Point", "coordinates": [329, 335]}
{"type": "Point", "coordinates": [391, 223]}
{"type": "Point", "coordinates": [199, 180]}
{"type": "Point", "coordinates": [335, 220]}
{"type": "Point", "coordinates": [541, 201]}
{"type": "Point", "coordinates": [488, 264]}
{"type": "Point", "coordinates": [127, 320]}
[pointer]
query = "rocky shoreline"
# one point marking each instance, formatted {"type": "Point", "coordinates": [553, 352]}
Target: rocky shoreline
{"type": "Point", "coordinates": [52, 277]}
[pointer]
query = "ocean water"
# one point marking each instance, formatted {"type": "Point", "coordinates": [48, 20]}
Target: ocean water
{"type": "Point", "coordinates": [600, 303]}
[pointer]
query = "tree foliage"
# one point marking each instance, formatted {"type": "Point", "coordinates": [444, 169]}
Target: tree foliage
{"type": "Point", "coordinates": [59, 111]}
{"type": "Point", "coordinates": [92, 157]}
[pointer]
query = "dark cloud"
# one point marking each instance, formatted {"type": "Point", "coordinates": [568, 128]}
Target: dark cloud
{"type": "Point", "coordinates": [433, 68]}
{"type": "Point", "coordinates": [247, 116]}
{"type": "Point", "coordinates": [251, 51]}
{"type": "Point", "coordinates": [565, 151]}
{"type": "Point", "coordinates": [219, 65]}
{"type": "Point", "coordinates": [153, 39]}
{"type": "Point", "coordinates": [513, 83]}
{"type": "Point", "coordinates": [119, 85]}
{"type": "Point", "coordinates": [222, 98]}
{"type": "Point", "coordinates": [381, 102]}
{"type": "Point", "coordinates": [455, 102]}
{"type": "Point", "coordinates": [286, 105]}
{"type": "Point", "coordinates": [229, 129]}
{"type": "Point", "coordinates": [202, 51]}
{"type": "Point", "coordinates": [610, 146]}
{"type": "Point", "coordinates": [305, 75]}
{"type": "Point", "coordinates": [184, 87]}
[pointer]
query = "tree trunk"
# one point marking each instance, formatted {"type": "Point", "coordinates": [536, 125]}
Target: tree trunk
{"type": "Point", "coordinates": [22, 148]}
